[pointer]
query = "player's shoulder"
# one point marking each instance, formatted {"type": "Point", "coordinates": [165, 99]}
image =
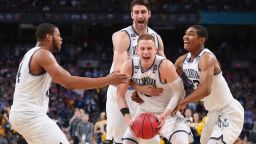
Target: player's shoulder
{"type": "Point", "coordinates": [43, 55]}
{"type": "Point", "coordinates": [120, 34]}
{"type": "Point", "coordinates": [181, 59]}
{"type": "Point", "coordinates": [208, 55]}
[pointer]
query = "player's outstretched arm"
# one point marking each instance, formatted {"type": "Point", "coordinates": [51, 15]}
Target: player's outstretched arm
{"type": "Point", "coordinates": [121, 91]}
{"type": "Point", "coordinates": [47, 61]}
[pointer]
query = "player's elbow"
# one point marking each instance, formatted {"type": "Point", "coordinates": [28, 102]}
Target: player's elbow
{"type": "Point", "coordinates": [207, 92]}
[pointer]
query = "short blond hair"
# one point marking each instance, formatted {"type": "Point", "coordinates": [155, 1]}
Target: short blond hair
{"type": "Point", "coordinates": [146, 37]}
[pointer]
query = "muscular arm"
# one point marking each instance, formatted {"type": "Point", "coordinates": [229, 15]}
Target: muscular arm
{"type": "Point", "coordinates": [169, 75]}
{"type": "Point", "coordinates": [121, 44]}
{"type": "Point", "coordinates": [122, 88]}
{"type": "Point", "coordinates": [48, 62]}
{"type": "Point", "coordinates": [206, 64]}
{"type": "Point", "coordinates": [160, 50]}
{"type": "Point", "coordinates": [178, 64]}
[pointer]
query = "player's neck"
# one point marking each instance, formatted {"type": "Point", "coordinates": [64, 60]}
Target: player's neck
{"type": "Point", "coordinates": [139, 32]}
{"type": "Point", "coordinates": [196, 52]}
{"type": "Point", "coordinates": [43, 45]}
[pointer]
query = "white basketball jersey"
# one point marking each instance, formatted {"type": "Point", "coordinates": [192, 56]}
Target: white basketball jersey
{"type": "Point", "coordinates": [155, 104]}
{"type": "Point", "coordinates": [31, 90]}
{"type": "Point", "coordinates": [133, 36]}
{"type": "Point", "coordinates": [220, 93]}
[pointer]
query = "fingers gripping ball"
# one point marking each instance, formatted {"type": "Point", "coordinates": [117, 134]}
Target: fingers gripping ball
{"type": "Point", "coordinates": [145, 126]}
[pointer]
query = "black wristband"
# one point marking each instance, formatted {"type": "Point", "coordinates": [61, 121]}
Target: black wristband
{"type": "Point", "coordinates": [125, 111]}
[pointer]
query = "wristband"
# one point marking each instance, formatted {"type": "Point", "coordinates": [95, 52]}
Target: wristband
{"type": "Point", "coordinates": [125, 111]}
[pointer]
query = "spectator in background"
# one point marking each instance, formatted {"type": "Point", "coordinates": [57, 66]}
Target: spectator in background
{"type": "Point", "coordinates": [85, 130]}
{"type": "Point", "coordinates": [100, 129]}
{"type": "Point", "coordinates": [73, 125]}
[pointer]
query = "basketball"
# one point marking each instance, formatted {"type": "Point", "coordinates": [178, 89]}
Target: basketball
{"type": "Point", "coordinates": [145, 126]}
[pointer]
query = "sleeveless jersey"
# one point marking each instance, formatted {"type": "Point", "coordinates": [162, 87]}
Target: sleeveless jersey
{"type": "Point", "coordinates": [133, 36]}
{"type": "Point", "coordinates": [31, 90]}
{"type": "Point", "coordinates": [151, 76]}
{"type": "Point", "coordinates": [220, 93]}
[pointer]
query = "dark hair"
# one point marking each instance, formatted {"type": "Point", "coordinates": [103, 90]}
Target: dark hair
{"type": "Point", "coordinates": [44, 29]}
{"type": "Point", "coordinates": [201, 31]}
{"type": "Point", "coordinates": [146, 37]}
{"type": "Point", "coordinates": [146, 3]}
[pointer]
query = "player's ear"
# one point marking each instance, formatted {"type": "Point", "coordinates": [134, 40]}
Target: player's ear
{"type": "Point", "coordinates": [202, 40]}
{"type": "Point", "coordinates": [49, 37]}
{"type": "Point", "coordinates": [149, 14]}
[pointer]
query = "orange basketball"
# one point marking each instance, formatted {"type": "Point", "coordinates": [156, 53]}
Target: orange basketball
{"type": "Point", "coordinates": [145, 126]}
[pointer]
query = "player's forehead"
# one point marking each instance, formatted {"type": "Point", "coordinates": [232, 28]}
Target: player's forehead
{"type": "Point", "coordinates": [191, 30]}
{"type": "Point", "coordinates": [139, 8]}
{"type": "Point", "coordinates": [56, 31]}
{"type": "Point", "coordinates": [146, 43]}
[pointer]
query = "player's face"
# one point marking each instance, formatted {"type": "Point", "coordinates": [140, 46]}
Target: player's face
{"type": "Point", "coordinates": [57, 40]}
{"type": "Point", "coordinates": [146, 51]}
{"type": "Point", "coordinates": [140, 15]}
{"type": "Point", "coordinates": [191, 40]}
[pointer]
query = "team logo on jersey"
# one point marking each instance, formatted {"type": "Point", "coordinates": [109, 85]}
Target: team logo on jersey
{"type": "Point", "coordinates": [136, 69]}
{"type": "Point", "coordinates": [133, 35]}
{"type": "Point", "coordinates": [154, 68]}
{"type": "Point", "coordinates": [222, 123]}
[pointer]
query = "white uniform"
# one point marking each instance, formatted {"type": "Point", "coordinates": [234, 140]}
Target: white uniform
{"type": "Point", "coordinates": [30, 104]}
{"type": "Point", "coordinates": [116, 125]}
{"type": "Point", "coordinates": [156, 104]}
{"type": "Point", "coordinates": [225, 114]}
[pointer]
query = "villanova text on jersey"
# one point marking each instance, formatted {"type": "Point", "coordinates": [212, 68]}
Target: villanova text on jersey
{"type": "Point", "coordinates": [190, 73]}
{"type": "Point", "coordinates": [145, 81]}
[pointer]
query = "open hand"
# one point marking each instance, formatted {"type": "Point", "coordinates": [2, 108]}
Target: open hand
{"type": "Point", "coordinates": [180, 107]}
{"type": "Point", "coordinates": [150, 90]}
{"type": "Point", "coordinates": [118, 78]}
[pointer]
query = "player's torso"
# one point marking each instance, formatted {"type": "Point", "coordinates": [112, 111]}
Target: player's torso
{"type": "Point", "coordinates": [31, 90]}
{"type": "Point", "coordinates": [133, 36]}
{"type": "Point", "coordinates": [151, 76]}
{"type": "Point", "coordinates": [219, 90]}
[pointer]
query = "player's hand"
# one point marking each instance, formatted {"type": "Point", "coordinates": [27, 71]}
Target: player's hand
{"type": "Point", "coordinates": [149, 90]}
{"type": "Point", "coordinates": [180, 107]}
{"type": "Point", "coordinates": [118, 78]}
{"type": "Point", "coordinates": [135, 97]}
{"type": "Point", "coordinates": [128, 120]}
{"type": "Point", "coordinates": [162, 118]}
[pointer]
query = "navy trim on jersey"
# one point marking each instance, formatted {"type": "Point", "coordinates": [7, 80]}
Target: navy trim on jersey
{"type": "Point", "coordinates": [159, 75]}
{"type": "Point", "coordinates": [43, 72]}
{"type": "Point", "coordinates": [148, 68]}
{"type": "Point", "coordinates": [129, 40]}
{"type": "Point", "coordinates": [132, 68]}
{"type": "Point", "coordinates": [189, 133]}
{"type": "Point", "coordinates": [134, 31]}
{"type": "Point", "coordinates": [157, 41]}
{"type": "Point", "coordinates": [217, 73]}
{"type": "Point", "coordinates": [129, 139]}
{"type": "Point", "coordinates": [219, 138]}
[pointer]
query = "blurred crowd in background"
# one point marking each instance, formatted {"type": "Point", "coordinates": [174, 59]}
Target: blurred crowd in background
{"type": "Point", "coordinates": [123, 5]}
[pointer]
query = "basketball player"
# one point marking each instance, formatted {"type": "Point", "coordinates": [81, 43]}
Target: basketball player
{"type": "Point", "coordinates": [31, 97]}
{"type": "Point", "coordinates": [151, 69]}
{"type": "Point", "coordinates": [125, 44]}
{"type": "Point", "coordinates": [201, 67]}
